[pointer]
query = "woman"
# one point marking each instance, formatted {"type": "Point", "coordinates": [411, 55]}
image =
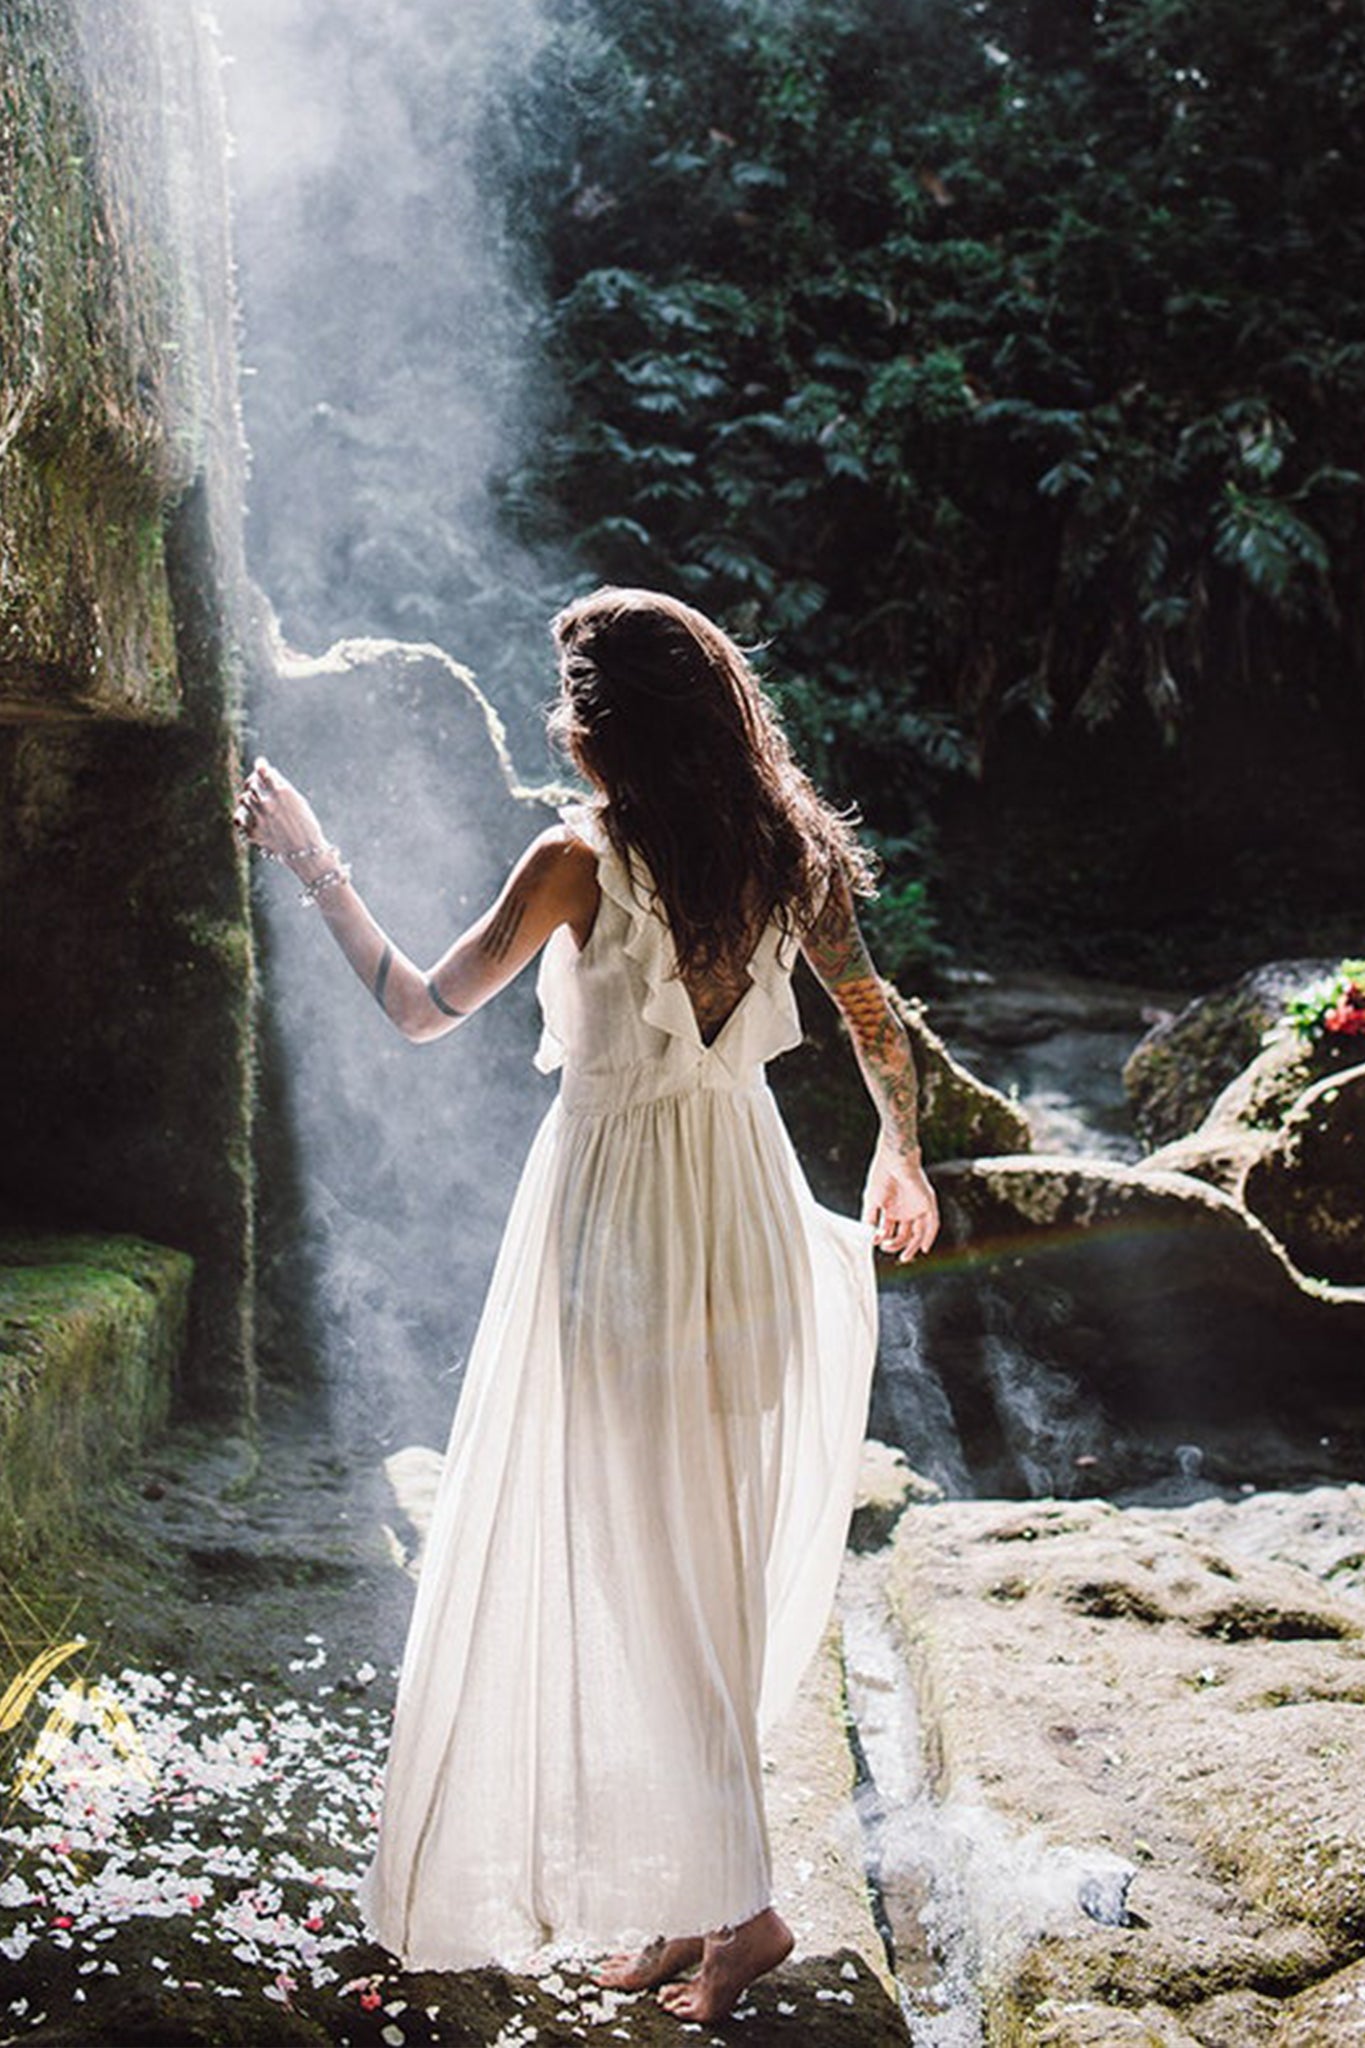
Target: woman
{"type": "Point", "coordinates": [647, 1486]}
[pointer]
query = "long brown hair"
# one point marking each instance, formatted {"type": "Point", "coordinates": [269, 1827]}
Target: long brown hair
{"type": "Point", "coordinates": [662, 712]}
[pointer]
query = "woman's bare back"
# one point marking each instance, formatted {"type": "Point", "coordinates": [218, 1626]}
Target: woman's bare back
{"type": "Point", "coordinates": [717, 991]}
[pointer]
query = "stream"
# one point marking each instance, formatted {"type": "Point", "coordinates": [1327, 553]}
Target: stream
{"type": "Point", "coordinates": [1056, 1046]}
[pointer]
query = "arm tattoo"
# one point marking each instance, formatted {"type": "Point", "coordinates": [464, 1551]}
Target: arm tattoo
{"type": "Point", "coordinates": [835, 945]}
{"type": "Point", "coordinates": [839, 956]}
{"type": "Point", "coordinates": [495, 944]}
{"type": "Point", "coordinates": [381, 974]}
{"type": "Point", "coordinates": [500, 934]}
{"type": "Point", "coordinates": [884, 1052]}
{"type": "Point", "coordinates": [442, 1005]}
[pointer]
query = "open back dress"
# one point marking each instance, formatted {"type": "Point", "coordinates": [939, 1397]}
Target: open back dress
{"type": "Point", "coordinates": [647, 1486]}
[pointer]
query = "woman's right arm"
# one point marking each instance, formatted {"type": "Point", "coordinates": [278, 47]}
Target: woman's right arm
{"type": "Point", "coordinates": [898, 1200]}
{"type": "Point", "coordinates": [553, 883]}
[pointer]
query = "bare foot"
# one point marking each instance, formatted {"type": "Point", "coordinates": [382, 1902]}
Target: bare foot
{"type": "Point", "coordinates": [730, 1962]}
{"type": "Point", "coordinates": [654, 1964]}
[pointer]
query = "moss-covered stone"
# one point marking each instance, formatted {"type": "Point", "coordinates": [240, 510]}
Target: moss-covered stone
{"type": "Point", "coordinates": [1306, 1187]}
{"type": "Point", "coordinates": [128, 956]}
{"type": "Point", "coordinates": [92, 1331]}
{"type": "Point", "coordinates": [102, 387]}
{"type": "Point", "coordinates": [1176, 1074]}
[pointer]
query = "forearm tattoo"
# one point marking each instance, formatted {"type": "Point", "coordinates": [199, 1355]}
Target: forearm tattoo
{"type": "Point", "coordinates": [884, 1051]}
{"type": "Point", "coordinates": [500, 934]}
{"type": "Point", "coordinates": [381, 974]}
{"type": "Point", "coordinates": [840, 957]}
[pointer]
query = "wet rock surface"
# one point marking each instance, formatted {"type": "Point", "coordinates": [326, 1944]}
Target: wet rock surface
{"type": "Point", "coordinates": [178, 1860]}
{"type": "Point", "coordinates": [1158, 1709]}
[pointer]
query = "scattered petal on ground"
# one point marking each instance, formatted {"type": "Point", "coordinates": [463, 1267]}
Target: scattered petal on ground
{"type": "Point", "coordinates": [157, 1798]}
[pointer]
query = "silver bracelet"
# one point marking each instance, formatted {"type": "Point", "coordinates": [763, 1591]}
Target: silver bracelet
{"type": "Point", "coordinates": [288, 853]}
{"type": "Point", "coordinates": [328, 879]}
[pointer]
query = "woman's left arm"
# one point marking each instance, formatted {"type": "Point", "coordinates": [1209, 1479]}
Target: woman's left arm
{"type": "Point", "coordinates": [554, 882]}
{"type": "Point", "coordinates": [898, 1199]}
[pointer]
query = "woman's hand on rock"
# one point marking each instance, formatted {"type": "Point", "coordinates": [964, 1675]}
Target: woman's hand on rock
{"type": "Point", "coordinates": [273, 815]}
{"type": "Point", "coordinates": [900, 1204]}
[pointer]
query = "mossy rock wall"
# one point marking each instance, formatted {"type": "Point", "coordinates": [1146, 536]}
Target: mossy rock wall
{"type": "Point", "coordinates": [105, 380]}
{"type": "Point", "coordinates": [128, 960]}
{"type": "Point", "coordinates": [91, 1331]}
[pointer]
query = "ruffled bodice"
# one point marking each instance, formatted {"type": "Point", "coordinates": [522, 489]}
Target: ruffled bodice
{"type": "Point", "coordinates": [617, 1015]}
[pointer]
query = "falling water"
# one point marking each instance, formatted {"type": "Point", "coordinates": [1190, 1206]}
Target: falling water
{"type": "Point", "coordinates": [1054, 1430]}
{"type": "Point", "coordinates": [910, 1404]}
{"type": "Point", "coordinates": [1037, 1431]}
{"type": "Point", "coordinates": [386, 377]}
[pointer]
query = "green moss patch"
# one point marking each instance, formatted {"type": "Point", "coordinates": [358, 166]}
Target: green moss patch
{"type": "Point", "coordinates": [91, 1331]}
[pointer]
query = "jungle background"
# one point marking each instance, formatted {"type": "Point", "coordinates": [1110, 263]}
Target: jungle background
{"type": "Point", "coordinates": [995, 366]}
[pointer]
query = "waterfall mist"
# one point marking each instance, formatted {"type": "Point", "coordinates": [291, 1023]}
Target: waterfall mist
{"type": "Point", "coordinates": [385, 328]}
{"type": "Point", "coordinates": [387, 376]}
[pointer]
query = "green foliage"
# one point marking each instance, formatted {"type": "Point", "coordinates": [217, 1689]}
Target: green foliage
{"type": "Point", "coordinates": [899, 921]}
{"type": "Point", "coordinates": [992, 362]}
{"type": "Point", "coordinates": [1332, 1011]}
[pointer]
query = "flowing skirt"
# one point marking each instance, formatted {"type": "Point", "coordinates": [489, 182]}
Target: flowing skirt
{"type": "Point", "coordinates": [635, 1541]}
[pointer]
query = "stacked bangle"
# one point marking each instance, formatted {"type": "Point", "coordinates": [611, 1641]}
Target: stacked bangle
{"type": "Point", "coordinates": [288, 853]}
{"type": "Point", "coordinates": [340, 870]}
{"type": "Point", "coordinates": [330, 878]}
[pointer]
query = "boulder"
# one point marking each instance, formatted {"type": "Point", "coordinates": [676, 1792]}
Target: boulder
{"type": "Point", "coordinates": [1218, 1154]}
{"type": "Point", "coordinates": [1143, 1736]}
{"type": "Point", "coordinates": [1083, 1326]}
{"type": "Point", "coordinates": [886, 1487]}
{"type": "Point", "coordinates": [1308, 1184]}
{"type": "Point", "coordinates": [1176, 1073]}
{"type": "Point", "coordinates": [1283, 1138]}
{"type": "Point", "coordinates": [1260, 1097]}
{"type": "Point", "coordinates": [1245, 1115]}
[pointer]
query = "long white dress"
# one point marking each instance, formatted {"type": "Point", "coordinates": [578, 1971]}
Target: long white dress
{"type": "Point", "coordinates": [646, 1490]}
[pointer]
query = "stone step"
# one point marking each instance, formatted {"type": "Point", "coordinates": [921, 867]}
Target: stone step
{"type": "Point", "coordinates": [92, 1329]}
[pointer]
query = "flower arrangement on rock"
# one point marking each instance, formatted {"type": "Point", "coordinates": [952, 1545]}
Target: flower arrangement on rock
{"type": "Point", "coordinates": [1332, 1009]}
